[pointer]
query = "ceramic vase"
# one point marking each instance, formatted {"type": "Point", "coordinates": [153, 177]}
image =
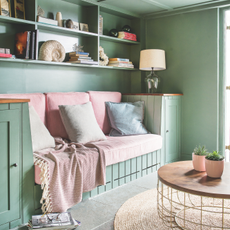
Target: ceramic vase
{"type": "Point", "coordinates": [59, 18]}
{"type": "Point", "coordinates": [214, 169]}
{"type": "Point", "coordinates": [198, 162]}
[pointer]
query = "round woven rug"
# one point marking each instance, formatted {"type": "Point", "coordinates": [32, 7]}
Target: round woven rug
{"type": "Point", "coordinates": [140, 213]}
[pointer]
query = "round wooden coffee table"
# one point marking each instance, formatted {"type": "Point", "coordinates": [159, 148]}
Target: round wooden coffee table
{"type": "Point", "coordinates": [189, 199]}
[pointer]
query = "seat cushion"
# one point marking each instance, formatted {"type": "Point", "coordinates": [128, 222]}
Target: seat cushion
{"type": "Point", "coordinates": [53, 100]}
{"type": "Point", "coordinates": [37, 100]}
{"type": "Point", "coordinates": [98, 99]}
{"type": "Point", "coordinates": [118, 149]}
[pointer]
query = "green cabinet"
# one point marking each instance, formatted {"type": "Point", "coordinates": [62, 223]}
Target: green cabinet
{"type": "Point", "coordinates": [16, 165]}
{"type": "Point", "coordinates": [171, 130]}
{"type": "Point", "coordinates": [163, 117]}
{"type": "Point", "coordinates": [9, 165]}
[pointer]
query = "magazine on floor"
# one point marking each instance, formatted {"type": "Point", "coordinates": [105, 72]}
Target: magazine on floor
{"type": "Point", "coordinates": [53, 221]}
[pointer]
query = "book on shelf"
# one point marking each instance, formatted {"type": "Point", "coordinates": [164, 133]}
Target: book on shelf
{"type": "Point", "coordinates": [32, 44]}
{"type": "Point", "coordinates": [26, 45]}
{"type": "Point", "coordinates": [123, 65]}
{"type": "Point", "coordinates": [127, 36]}
{"type": "Point", "coordinates": [119, 59]}
{"type": "Point", "coordinates": [3, 55]}
{"type": "Point", "coordinates": [53, 221]}
{"type": "Point", "coordinates": [47, 20]}
{"type": "Point", "coordinates": [75, 58]}
{"type": "Point", "coordinates": [36, 33]}
{"type": "Point", "coordinates": [76, 53]}
{"type": "Point", "coordinates": [117, 62]}
{"type": "Point", "coordinates": [100, 25]}
{"type": "Point", "coordinates": [22, 44]}
{"type": "Point", "coordinates": [90, 62]}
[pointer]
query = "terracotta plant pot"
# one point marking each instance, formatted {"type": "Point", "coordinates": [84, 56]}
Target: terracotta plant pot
{"type": "Point", "coordinates": [214, 169]}
{"type": "Point", "coordinates": [198, 162]}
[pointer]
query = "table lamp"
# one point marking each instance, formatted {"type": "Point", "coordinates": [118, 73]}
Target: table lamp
{"type": "Point", "coordinates": [152, 59]}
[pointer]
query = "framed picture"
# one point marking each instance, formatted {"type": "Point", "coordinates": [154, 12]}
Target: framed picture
{"type": "Point", "coordinates": [5, 8]}
{"type": "Point", "coordinates": [75, 25]}
{"type": "Point", "coordinates": [19, 9]}
{"type": "Point", "coordinates": [84, 27]}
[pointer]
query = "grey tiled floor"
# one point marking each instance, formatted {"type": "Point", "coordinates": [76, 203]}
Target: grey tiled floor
{"type": "Point", "coordinates": [98, 212]}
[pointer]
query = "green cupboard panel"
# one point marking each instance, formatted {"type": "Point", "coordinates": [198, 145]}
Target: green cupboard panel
{"type": "Point", "coordinates": [172, 129]}
{"type": "Point", "coordinates": [9, 164]}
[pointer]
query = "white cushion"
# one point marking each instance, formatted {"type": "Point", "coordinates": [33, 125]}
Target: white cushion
{"type": "Point", "coordinates": [80, 123]}
{"type": "Point", "coordinates": [40, 135]}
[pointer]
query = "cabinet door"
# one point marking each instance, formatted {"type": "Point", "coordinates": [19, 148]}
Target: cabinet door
{"type": "Point", "coordinates": [10, 173]}
{"type": "Point", "coordinates": [172, 128]}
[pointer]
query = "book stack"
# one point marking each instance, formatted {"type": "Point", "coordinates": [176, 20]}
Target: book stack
{"type": "Point", "coordinates": [81, 58]}
{"type": "Point", "coordinates": [26, 45]}
{"type": "Point", "coordinates": [53, 221]}
{"type": "Point", "coordinates": [126, 35]}
{"type": "Point", "coordinates": [5, 53]}
{"type": "Point", "coordinates": [120, 62]}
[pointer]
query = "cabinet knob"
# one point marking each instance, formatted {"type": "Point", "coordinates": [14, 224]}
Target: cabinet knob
{"type": "Point", "coordinates": [167, 131]}
{"type": "Point", "coordinates": [15, 165]}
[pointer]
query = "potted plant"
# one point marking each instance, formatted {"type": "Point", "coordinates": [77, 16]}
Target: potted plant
{"type": "Point", "coordinates": [198, 158]}
{"type": "Point", "coordinates": [214, 164]}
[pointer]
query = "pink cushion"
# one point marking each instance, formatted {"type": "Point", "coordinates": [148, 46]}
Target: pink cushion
{"type": "Point", "coordinates": [118, 149]}
{"type": "Point", "coordinates": [53, 100]}
{"type": "Point", "coordinates": [37, 100]}
{"type": "Point", "coordinates": [98, 99]}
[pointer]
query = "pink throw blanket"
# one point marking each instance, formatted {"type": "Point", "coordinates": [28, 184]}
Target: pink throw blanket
{"type": "Point", "coordinates": [67, 172]}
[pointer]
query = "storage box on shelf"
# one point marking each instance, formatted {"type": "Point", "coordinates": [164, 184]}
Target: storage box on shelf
{"type": "Point", "coordinates": [78, 11]}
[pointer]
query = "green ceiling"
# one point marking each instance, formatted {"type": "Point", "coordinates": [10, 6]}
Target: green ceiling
{"type": "Point", "coordinates": [143, 7]}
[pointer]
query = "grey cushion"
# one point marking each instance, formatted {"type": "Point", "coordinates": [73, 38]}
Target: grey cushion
{"type": "Point", "coordinates": [80, 123]}
{"type": "Point", "coordinates": [126, 118]}
{"type": "Point", "coordinates": [40, 135]}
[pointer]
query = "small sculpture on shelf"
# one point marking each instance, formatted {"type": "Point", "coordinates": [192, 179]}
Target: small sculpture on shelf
{"type": "Point", "coordinates": [78, 48]}
{"type": "Point", "coordinates": [40, 11]}
{"type": "Point", "coordinates": [59, 18]}
{"type": "Point", "coordinates": [52, 50]}
{"type": "Point", "coordinates": [69, 23]}
{"type": "Point", "coordinates": [104, 60]}
{"type": "Point", "coordinates": [126, 28]}
{"type": "Point", "coordinates": [113, 32]}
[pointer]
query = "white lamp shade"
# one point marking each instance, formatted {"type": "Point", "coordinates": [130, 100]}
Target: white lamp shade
{"type": "Point", "coordinates": [152, 58]}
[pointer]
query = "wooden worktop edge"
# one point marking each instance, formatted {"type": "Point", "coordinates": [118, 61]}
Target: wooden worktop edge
{"type": "Point", "coordinates": [154, 94]}
{"type": "Point", "coordinates": [12, 100]}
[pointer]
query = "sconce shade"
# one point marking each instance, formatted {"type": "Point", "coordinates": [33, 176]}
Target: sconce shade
{"type": "Point", "coordinates": [152, 59]}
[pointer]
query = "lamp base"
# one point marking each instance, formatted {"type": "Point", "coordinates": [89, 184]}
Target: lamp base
{"type": "Point", "coordinates": [152, 82]}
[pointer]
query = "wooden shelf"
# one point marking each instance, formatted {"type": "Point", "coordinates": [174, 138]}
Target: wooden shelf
{"type": "Point", "coordinates": [12, 20]}
{"type": "Point", "coordinates": [114, 39]}
{"type": "Point", "coordinates": [59, 29]}
{"type": "Point", "coordinates": [39, 62]}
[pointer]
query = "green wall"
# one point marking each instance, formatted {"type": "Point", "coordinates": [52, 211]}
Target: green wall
{"type": "Point", "coordinates": [191, 44]}
{"type": "Point", "coordinates": [27, 78]}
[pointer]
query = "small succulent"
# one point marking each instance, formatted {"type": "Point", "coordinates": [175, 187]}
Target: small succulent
{"type": "Point", "coordinates": [214, 156]}
{"type": "Point", "coordinates": [200, 150]}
